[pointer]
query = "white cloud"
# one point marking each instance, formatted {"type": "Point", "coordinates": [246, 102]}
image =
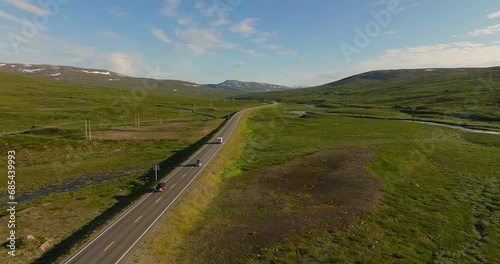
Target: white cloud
{"type": "Point", "coordinates": [262, 37]}
{"type": "Point", "coordinates": [494, 14]}
{"type": "Point", "coordinates": [122, 63]}
{"type": "Point", "coordinates": [6, 28]}
{"type": "Point", "coordinates": [461, 54]}
{"type": "Point", "coordinates": [253, 53]}
{"type": "Point", "coordinates": [491, 30]}
{"type": "Point", "coordinates": [280, 50]}
{"type": "Point", "coordinates": [117, 12]}
{"type": "Point", "coordinates": [184, 20]}
{"type": "Point", "coordinates": [27, 6]}
{"type": "Point", "coordinates": [199, 5]}
{"type": "Point", "coordinates": [467, 44]}
{"type": "Point", "coordinates": [170, 8]}
{"type": "Point", "coordinates": [207, 11]}
{"type": "Point", "coordinates": [391, 32]}
{"type": "Point", "coordinates": [200, 41]}
{"type": "Point", "coordinates": [111, 35]}
{"type": "Point", "coordinates": [44, 49]}
{"type": "Point", "coordinates": [212, 11]}
{"type": "Point", "coordinates": [238, 65]}
{"type": "Point", "coordinates": [273, 47]}
{"type": "Point", "coordinates": [221, 21]}
{"type": "Point", "coordinates": [10, 17]}
{"type": "Point", "coordinates": [286, 52]}
{"type": "Point", "coordinates": [245, 27]}
{"type": "Point", "coordinates": [259, 40]}
{"type": "Point", "coordinates": [160, 35]}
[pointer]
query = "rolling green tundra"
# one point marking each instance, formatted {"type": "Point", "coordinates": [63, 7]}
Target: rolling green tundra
{"type": "Point", "coordinates": [465, 96]}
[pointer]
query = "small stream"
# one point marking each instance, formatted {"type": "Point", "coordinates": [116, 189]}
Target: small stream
{"type": "Point", "coordinates": [26, 197]}
{"type": "Point", "coordinates": [432, 124]}
{"type": "Point", "coordinates": [455, 127]}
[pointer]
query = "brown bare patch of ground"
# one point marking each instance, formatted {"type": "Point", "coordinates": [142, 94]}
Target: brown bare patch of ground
{"type": "Point", "coordinates": [177, 130]}
{"type": "Point", "coordinates": [326, 190]}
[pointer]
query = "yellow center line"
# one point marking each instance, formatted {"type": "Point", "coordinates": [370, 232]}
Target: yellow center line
{"type": "Point", "coordinates": [158, 200]}
{"type": "Point", "coordinates": [172, 186]}
{"type": "Point", "coordinates": [109, 245]}
{"type": "Point", "coordinates": [138, 219]}
{"type": "Point", "coordinates": [184, 175]}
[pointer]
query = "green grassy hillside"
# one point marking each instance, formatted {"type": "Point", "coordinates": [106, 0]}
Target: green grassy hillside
{"type": "Point", "coordinates": [27, 102]}
{"type": "Point", "coordinates": [108, 79]}
{"type": "Point", "coordinates": [78, 184]}
{"type": "Point", "coordinates": [452, 95]}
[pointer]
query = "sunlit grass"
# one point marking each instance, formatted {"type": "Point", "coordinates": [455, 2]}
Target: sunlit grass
{"type": "Point", "coordinates": [440, 184]}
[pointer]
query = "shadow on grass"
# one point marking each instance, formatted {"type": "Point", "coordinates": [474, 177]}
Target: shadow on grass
{"type": "Point", "coordinates": [61, 250]}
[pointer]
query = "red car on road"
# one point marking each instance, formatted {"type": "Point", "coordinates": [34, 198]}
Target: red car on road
{"type": "Point", "coordinates": [160, 187]}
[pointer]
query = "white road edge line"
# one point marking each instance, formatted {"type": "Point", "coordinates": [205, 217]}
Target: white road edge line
{"type": "Point", "coordinates": [93, 240]}
{"type": "Point", "coordinates": [175, 199]}
{"type": "Point", "coordinates": [131, 209]}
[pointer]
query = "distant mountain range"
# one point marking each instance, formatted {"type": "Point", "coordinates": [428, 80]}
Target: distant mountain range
{"type": "Point", "coordinates": [109, 79]}
{"type": "Point", "coordinates": [106, 78]}
{"type": "Point", "coordinates": [249, 86]}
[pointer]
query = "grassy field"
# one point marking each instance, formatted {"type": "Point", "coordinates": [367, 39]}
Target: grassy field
{"type": "Point", "coordinates": [43, 121]}
{"type": "Point", "coordinates": [457, 96]}
{"type": "Point", "coordinates": [342, 190]}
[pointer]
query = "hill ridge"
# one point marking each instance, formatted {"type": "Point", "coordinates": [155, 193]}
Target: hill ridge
{"type": "Point", "coordinates": [111, 79]}
{"type": "Point", "coordinates": [249, 86]}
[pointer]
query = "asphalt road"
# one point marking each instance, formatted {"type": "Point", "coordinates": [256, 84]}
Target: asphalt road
{"type": "Point", "coordinates": [112, 244]}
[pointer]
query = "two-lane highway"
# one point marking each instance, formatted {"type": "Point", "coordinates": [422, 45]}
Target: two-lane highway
{"type": "Point", "coordinates": [112, 244]}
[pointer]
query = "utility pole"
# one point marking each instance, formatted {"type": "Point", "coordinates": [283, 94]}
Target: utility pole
{"type": "Point", "coordinates": [137, 120]}
{"type": "Point", "coordinates": [88, 130]}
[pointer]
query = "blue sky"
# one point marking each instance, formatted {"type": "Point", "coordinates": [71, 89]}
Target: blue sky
{"type": "Point", "coordinates": [283, 42]}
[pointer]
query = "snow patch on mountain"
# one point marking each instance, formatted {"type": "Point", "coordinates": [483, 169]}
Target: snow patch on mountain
{"type": "Point", "coordinates": [97, 72]}
{"type": "Point", "coordinates": [32, 70]}
{"type": "Point", "coordinates": [249, 86]}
